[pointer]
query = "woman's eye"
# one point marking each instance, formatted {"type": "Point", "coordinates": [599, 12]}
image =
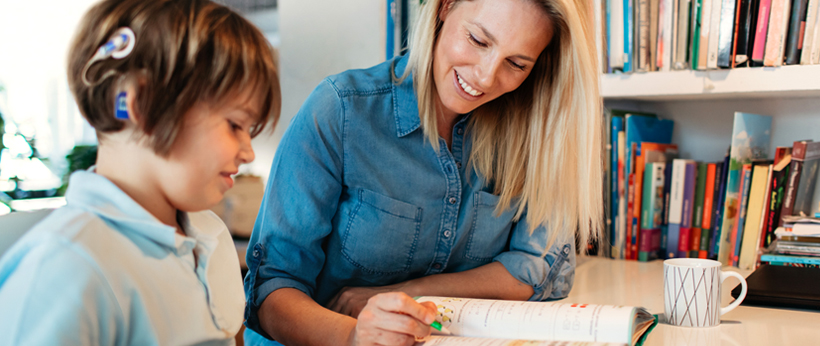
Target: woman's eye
{"type": "Point", "coordinates": [516, 66]}
{"type": "Point", "coordinates": [234, 126]}
{"type": "Point", "coordinates": [476, 41]}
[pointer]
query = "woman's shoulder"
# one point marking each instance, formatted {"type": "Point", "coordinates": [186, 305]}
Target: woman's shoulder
{"type": "Point", "coordinates": [374, 80]}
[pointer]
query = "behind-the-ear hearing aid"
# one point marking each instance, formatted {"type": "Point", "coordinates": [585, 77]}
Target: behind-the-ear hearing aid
{"type": "Point", "coordinates": [121, 106]}
{"type": "Point", "coordinates": [119, 45]}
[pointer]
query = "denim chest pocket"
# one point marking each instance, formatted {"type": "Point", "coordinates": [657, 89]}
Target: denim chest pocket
{"type": "Point", "coordinates": [490, 232]}
{"type": "Point", "coordinates": [381, 234]}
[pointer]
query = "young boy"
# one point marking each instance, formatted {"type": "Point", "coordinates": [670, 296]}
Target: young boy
{"type": "Point", "coordinates": [176, 90]}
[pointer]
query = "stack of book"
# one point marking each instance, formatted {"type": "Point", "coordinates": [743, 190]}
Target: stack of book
{"type": "Point", "coordinates": [652, 35]}
{"type": "Point", "coordinates": [797, 243]}
{"type": "Point", "coordinates": [663, 206]}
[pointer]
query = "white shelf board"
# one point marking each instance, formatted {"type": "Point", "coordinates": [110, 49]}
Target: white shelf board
{"type": "Point", "coordinates": [757, 82]}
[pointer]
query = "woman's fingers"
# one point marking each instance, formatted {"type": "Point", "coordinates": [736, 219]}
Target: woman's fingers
{"type": "Point", "coordinates": [393, 319]}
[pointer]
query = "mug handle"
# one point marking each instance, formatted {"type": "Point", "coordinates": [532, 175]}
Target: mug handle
{"type": "Point", "coordinates": [734, 304]}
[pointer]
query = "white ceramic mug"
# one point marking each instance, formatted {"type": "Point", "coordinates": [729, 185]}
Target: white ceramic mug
{"type": "Point", "coordinates": [691, 292]}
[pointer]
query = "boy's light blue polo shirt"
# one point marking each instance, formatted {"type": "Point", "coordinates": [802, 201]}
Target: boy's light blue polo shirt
{"type": "Point", "coordinates": [358, 197]}
{"type": "Point", "coordinates": [103, 271]}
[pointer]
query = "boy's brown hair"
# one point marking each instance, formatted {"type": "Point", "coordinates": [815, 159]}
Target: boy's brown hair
{"type": "Point", "coordinates": [186, 51]}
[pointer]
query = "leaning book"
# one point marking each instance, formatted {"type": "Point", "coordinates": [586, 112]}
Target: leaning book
{"type": "Point", "coordinates": [505, 323]}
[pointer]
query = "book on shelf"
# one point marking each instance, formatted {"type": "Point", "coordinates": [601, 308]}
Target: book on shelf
{"type": "Point", "coordinates": [629, 34]}
{"type": "Point", "coordinates": [653, 34]}
{"type": "Point", "coordinates": [639, 129]}
{"type": "Point", "coordinates": [649, 152]}
{"type": "Point", "coordinates": [797, 26]}
{"type": "Point", "coordinates": [775, 259]}
{"type": "Point", "coordinates": [615, 41]}
{"type": "Point", "coordinates": [812, 16]}
{"type": "Point", "coordinates": [714, 34]}
{"type": "Point", "coordinates": [751, 137]}
{"type": "Point", "coordinates": [681, 56]}
{"type": "Point", "coordinates": [642, 54]}
{"type": "Point", "coordinates": [680, 208]}
{"type": "Point", "coordinates": [815, 43]}
{"type": "Point", "coordinates": [726, 34]}
{"type": "Point", "coordinates": [804, 150]}
{"type": "Point", "coordinates": [736, 237]}
{"type": "Point", "coordinates": [744, 32]}
{"type": "Point", "coordinates": [761, 30]}
{"type": "Point", "coordinates": [780, 173]}
{"type": "Point", "coordinates": [705, 29]}
{"type": "Point", "coordinates": [808, 192]}
{"type": "Point", "coordinates": [712, 177]}
{"type": "Point", "coordinates": [697, 213]}
{"type": "Point", "coordinates": [751, 228]}
{"type": "Point", "coordinates": [776, 36]}
{"type": "Point", "coordinates": [694, 34]}
{"type": "Point", "coordinates": [651, 214]}
{"type": "Point", "coordinates": [503, 322]}
{"type": "Point", "coordinates": [722, 171]}
{"type": "Point", "coordinates": [664, 47]}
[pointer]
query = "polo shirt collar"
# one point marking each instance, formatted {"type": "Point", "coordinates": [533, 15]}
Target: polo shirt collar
{"type": "Point", "coordinates": [98, 195]}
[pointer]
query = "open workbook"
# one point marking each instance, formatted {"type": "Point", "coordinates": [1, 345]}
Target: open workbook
{"type": "Point", "coordinates": [506, 323]}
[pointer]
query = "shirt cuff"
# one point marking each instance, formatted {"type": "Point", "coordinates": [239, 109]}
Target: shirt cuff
{"type": "Point", "coordinates": [551, 277]}
{"type": "Point", "coordinates": [258, 295]}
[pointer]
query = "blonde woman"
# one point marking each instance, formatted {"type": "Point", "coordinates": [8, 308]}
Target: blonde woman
{"type": "Point", "coordinates": [465, 168]}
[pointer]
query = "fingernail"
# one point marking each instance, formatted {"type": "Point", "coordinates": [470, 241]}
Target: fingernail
{"type": "Point", "coordinates": [429, 319]}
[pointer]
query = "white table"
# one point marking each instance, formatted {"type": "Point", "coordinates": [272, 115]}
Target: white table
{"type": "Point", "coordinates": [619, 282]}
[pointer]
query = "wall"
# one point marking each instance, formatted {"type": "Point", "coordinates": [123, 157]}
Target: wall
{"type": "Point", "coordinates": [319, 38]}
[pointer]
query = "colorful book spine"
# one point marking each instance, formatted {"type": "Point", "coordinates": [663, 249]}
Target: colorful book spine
{"type": "Point", "coordinates": [779, 175]}
{"type": "Point", "coordinates": [751, 229]}
{"type": "Point", "coordinates": [676, 208]}
{"type": "Point", "coordinates": [667, 192]}
{"type": "Point", "coordinates": [807, 194]}
{"type": "Point", "coordinates": [797, 26]}
{"type": "Point", "coordinates": [790, 259]}
{"type": "Point", "coordinates": [705, 28]}
{"type": "Point", "coordinates": [776, 36]}
{"type": "Point", "coordinates": [761, 30]}
{"type": "Point", "coordinates": [751, 138]}
{"type": "Point", "coordinates": [694, 34]}
{"type": "Point", "coordinates": [726, 34]}
{"type": "Point", "coordinates": [798, 155]}
{"type": "Point", "coordinates": [717, 221]}
{"type": "Point", "coordinates": [737, 234]}
{"type": "Point", "coordinates": [697, 216]}
{"type": "Point", "coordinates": [708, 210]}
{"type": "Point", "coordinates": [629, 25]}
{"type": "Point", "coordinates": [651, 211]}
{"type": "Point", "coordinates": [690, 174]}
{"type": "Point", "coordinates": [617, 127]}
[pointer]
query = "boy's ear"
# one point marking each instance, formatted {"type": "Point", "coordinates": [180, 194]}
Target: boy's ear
{"type": "Point", "coordinates": [130, 94]}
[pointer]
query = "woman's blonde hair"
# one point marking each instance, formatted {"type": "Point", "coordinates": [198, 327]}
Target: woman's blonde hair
{"type": "Point", "coordinates": [542, 141]}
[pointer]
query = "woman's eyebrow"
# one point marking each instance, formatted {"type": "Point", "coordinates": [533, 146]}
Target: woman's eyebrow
{"type": "Point", "coordinates": [492, 39]}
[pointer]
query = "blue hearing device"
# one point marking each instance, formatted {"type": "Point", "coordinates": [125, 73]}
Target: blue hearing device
{"type": "Point", "coordinates": [121, 107]}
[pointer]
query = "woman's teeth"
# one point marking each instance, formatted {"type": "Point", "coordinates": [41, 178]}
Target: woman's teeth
{"type": "Point", "coordinates": [467, 88]}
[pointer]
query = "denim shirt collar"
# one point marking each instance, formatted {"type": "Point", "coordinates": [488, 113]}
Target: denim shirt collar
{"type": "Point", "coordinates": [406, 105]}
{"type": "Point", "coordinates": [98, 195]}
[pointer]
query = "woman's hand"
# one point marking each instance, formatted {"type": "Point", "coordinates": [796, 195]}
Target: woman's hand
{"type": "Point", "coordinates": [393, 319]}
{"type": "Point", "coordinates": [351, 300]}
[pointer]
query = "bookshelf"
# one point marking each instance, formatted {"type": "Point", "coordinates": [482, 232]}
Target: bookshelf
{"type": "Point", "coordinates": [743, 83]}
{"type": "Point", "coordinates": [702, 103]}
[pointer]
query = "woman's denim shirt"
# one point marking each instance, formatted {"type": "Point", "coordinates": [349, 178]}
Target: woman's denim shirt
{"type": "Point", "coordinates": [358, 197]}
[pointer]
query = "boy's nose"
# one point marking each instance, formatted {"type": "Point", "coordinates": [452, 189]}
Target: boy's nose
{"type": "Point", "coordinates": [246, 154]}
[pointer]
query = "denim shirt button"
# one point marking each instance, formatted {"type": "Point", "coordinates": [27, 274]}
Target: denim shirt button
{"type": "Point", "coordinates": [458, 164]}
{"type": "Point", "coordinates": [447, 233]}
{"type": "Point", "coordinates": [460, 131]}
{"type": "Point", "coordinates": [255, 253]}
{"type": "Point", "coordinates": [453, 200]}
{"type": "Point", "coordinates": [437, 266]}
